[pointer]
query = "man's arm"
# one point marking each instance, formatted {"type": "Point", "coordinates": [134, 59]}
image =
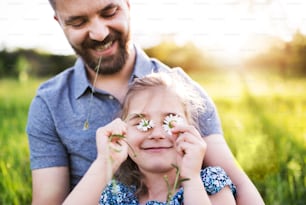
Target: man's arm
{"type": "Point", "coordinates": [49, 162]}
{"type": "Point", "coordinates": [218, 154]}
{"type": "Point", "coordinates": [50, 185]}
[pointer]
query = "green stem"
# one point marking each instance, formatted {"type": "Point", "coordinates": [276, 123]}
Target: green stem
{"type": "Point", "coordinates": [176, 184]}
{"type": "Point", "coordinates": [122, 137]}
{"type": "Point", "coordinates": [97, 68]}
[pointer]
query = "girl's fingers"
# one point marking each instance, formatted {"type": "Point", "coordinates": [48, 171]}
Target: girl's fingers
{"type": "Point", "coordinates": [115, 127]}
{"type": "Point", "coordinates": [182, 148]}
{"type": "Point", "coordinates": [110, 135]}
{"type": "Point", "coordinates": [189, 137]}
{"type": "Point", "coordinates": [177, 130]}
{"type": "Point", "coordinates": [188, 143]}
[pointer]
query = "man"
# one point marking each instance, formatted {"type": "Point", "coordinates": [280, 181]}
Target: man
{"type": "Point", "coordinates": [69, 108]}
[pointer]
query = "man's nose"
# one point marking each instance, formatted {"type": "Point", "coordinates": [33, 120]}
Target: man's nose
{"type": "Point", "coordinates": [98, 29]}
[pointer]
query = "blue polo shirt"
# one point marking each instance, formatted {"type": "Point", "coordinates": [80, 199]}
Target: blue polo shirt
{"type": "Point", "coordinates": [62, 104]}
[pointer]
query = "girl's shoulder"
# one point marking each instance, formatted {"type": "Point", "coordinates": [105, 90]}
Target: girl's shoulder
{"type": "Point", "coordinates": [215, 179]}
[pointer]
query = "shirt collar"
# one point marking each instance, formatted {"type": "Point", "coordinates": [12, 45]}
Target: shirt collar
{"type": "Point", "coordinates": [143, 65]}
{"type": "Point", "coordinates": [81, 83]}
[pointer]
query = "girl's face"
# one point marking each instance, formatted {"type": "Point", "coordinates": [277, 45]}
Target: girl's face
{"type": "Point", "coordinates": [153, 145]}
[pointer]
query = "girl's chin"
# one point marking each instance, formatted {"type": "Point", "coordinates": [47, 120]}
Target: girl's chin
{"type": "Point", "coordinates": [158, 168]}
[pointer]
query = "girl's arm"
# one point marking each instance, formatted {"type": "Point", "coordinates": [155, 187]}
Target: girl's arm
{"type": "Point", "coordinates": [194, 192]}
{"type": "Point", "coordinates": [112, 151]}
{"type": "Point", "coordinates": [191, 150]}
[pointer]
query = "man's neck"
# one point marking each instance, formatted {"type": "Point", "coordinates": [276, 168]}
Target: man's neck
{"type": "Point", "coordinates": [116, 84]}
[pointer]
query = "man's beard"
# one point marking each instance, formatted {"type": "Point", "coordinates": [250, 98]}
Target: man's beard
{"type": "Point", "coordinates": [108, 65]}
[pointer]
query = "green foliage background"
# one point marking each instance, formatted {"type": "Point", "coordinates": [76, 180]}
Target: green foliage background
{"type": "Point", "coordinates": [285, 58]}
{"type": "Point", "coordinates": [15, 183]}
{"type": "Point", "coordinates": [264, 123]}
{"type": "Point", "coordinates": [263, 118]}
{"type": "Point", "coordinates": [261, 102]}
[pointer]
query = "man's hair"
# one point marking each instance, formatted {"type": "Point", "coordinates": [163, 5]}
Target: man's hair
{"type": "Point", "coordinates": [52, 3]}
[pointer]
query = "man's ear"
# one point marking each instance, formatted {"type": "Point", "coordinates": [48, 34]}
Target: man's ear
{"type": "Point", "coordinates": [128, 4]}
{"type": "Point", "coordinates": [55, 18]}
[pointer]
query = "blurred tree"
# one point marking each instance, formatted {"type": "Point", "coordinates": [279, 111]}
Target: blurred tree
{"type": "Point", "coordinates": [298, 53]}
{"type": "Point", "coordinates": [22, 66]}
{"type": "Point", "coordinates": [286, 58]}
{"type": "Point", "coordinates": [7, 62]}
{"type": "Point", "coordinates": [188, 56]}
{"type": "Point", "coordinates": [19, 62]}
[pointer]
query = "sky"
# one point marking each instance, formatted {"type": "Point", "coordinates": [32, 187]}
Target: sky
{"type": "Point", "coordinates": [231, 28]}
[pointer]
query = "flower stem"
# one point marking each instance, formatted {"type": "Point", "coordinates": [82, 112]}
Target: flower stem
{"type": "Point", "coordinates": [97, 68]}
{"type": "Point", "coordinates": [122, 137]}
{"type": "Point", "coordinates": [176, 184]}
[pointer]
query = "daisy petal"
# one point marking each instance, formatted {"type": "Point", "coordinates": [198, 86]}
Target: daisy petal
{"type": "Point", "coordinates": [169, 120]}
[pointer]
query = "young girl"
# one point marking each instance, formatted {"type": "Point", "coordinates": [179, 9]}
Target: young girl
{"type": "Point", "coordinates": [155, 151]}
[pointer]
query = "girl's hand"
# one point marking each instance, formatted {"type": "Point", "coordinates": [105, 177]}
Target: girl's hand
{"type": "Point", "coordinates": [111, 147]}
{"type": "Point", "coordinates": [191, 149]}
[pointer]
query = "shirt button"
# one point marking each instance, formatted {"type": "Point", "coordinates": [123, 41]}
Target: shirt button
{"type": "Point", "coordinates": [111, 97]}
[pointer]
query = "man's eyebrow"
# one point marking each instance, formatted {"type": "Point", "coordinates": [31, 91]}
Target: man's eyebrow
{"type": "Point", "coordinates": [71, 19]}
{"type": "Point", "coordinates": [109, 6]}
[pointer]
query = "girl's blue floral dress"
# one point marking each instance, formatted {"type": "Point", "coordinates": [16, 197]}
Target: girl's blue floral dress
{"type": "Point", "coordinates": [214, 179]}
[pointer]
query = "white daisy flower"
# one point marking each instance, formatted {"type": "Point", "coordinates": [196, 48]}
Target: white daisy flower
{"type": "Point", "coordinates": [169, 120]}
{"type": "Point", "coordinates": [144, 125]}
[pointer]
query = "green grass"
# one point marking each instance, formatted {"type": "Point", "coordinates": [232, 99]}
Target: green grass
{"type": "Point", "coordinates": [15, 184]}
{"type": "Point", "coordinates": [263, 118]}
{"type": "Point", "coordinates": [264, 123]}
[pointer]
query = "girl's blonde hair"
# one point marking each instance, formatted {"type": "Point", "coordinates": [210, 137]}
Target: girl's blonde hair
{"type": "Point", "coordinates": [128, 173]}
{"type": "Point", "coordinates": [169, 82]}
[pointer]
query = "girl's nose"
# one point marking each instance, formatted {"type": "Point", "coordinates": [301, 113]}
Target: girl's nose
{"type": "Point", "coordinates": [157, 132]}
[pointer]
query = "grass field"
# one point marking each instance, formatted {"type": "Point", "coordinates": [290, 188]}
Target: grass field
{"type": "Point", "coordinates": [15, 185]}
{"type": "Point", "coordinates": [264, 121]}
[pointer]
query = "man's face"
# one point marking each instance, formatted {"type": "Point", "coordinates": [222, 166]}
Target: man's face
{"type": "Point", "coordinates": [97, 29]}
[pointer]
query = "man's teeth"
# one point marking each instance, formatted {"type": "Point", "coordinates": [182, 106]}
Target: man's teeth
{"type": "Point", "coordinates": [105, 46]}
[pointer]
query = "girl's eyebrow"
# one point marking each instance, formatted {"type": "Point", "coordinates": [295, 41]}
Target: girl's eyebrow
{"type": "Point", "coordinates": [133, 116]}
{"type": "Point", "coordinates": [172, 113]}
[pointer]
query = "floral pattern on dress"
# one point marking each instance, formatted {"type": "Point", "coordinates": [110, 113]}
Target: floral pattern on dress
{"type": "Point", "coordinates": [214, 179]}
